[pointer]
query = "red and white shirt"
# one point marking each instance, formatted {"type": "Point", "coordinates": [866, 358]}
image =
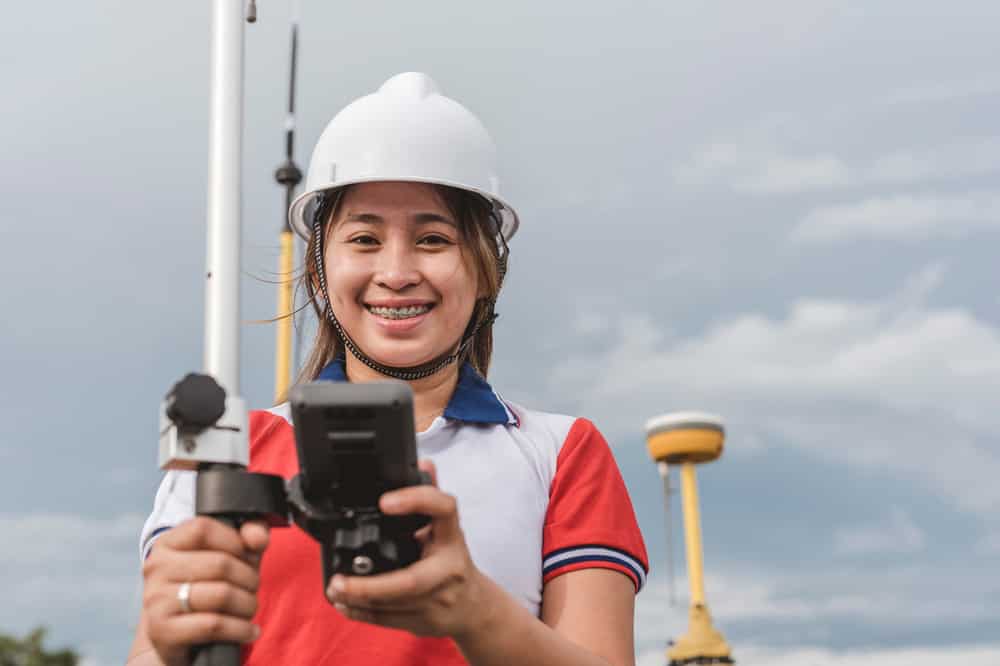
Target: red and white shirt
{"type": "Point", "coordinates": [538, 494]}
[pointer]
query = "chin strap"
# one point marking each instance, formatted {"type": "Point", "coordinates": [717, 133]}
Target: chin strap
{"type": "Point", "coordinates": [485, 315]}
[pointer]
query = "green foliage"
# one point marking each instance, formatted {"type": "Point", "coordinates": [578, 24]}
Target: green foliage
{"type": "Point", "coordinates": [29, 651]}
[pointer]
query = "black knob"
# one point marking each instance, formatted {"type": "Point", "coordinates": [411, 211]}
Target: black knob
{"type": "Point", "coordinates": [196, 402]}
{"type": "Point", "coordinates": [288, 174]}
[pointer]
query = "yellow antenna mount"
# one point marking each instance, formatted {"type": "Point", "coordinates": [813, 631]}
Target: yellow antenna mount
{"type": "Point", "coordinates": [688, 439]}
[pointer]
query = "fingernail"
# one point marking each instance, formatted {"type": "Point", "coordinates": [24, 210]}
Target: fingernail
{"type": "Point", "coordinates": [340, 607]}
{"type": "Point", "coordinates": [256, 632]}
{"type": "Point", "coordinates": [338, 584]}
{"type": "Point", "coordinates": [390, 502]}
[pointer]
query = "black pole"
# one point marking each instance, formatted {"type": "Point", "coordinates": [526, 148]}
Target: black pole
{"type": "Point", "coordinates": [288, 174]}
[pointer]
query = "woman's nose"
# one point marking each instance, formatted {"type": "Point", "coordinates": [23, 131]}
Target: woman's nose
{"type": "Point", "coordinates": [397, 267]}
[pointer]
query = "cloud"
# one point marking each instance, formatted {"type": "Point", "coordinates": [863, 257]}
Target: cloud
{"type": "Point", "coordinates": [760, 170]}
{"type": "Point", "coordinates": [590, 322]}
{"type": "Point", "coordinates": [772, 599]}
{"type": "Point", "coordinates": [908, 217]}
{"type": "Point", "coordinates": [836, 606]}
{"type": "Point", "coordinates": [56, 568]}
{"type": "Point", "coordinates": [756, 655]}
{"type": "Point", "coordinates": [990, 544]}
{"type": "Point", "coordinates": [760, 167]}
{"type": "Point", "coordinates": [52, 539]}
{"type": "Point", "coordinates": [897, 534]}
{"type": "Point", "coordinates": [942, 91]}
{"type": "Point", "coordinates": [892, 384]}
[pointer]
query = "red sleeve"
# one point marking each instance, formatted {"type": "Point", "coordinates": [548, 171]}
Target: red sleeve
{"type": "Point", "coordinates": [590, 521]}
{"type": "Point", "coordinates": [272, 445]}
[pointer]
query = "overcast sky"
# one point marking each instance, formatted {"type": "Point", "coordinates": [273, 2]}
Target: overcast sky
{"type": "Point", "coordinates": [783, 212]}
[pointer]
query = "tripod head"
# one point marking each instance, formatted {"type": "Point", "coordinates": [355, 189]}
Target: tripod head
{"type": "Point", "coordinates": [200, 424]}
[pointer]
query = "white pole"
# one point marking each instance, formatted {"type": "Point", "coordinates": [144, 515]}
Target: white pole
{"type": "Point", "coordinates": [225, 134]}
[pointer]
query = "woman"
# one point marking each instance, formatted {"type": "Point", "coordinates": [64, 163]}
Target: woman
{"type": "Point", "coordinates": [533, 555]}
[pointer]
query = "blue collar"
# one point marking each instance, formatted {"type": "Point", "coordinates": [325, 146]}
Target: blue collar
{"type": "Point", "coordinates": [474, 400]}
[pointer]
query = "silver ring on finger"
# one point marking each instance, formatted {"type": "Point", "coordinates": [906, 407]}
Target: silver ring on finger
{"type": "Point", "coordinates": [184, 597]}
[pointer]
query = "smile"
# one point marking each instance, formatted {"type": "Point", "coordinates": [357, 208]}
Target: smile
{"type": "Point", "coordinates": [407, 312]}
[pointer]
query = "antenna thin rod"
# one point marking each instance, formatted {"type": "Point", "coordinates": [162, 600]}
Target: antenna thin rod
{"type": "Point", "coordinates": [664, 470]}
{"type": "Point", "coordinates": [225, 133]}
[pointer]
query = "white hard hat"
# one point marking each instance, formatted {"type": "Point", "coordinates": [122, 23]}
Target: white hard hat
{"type": "Point", "coordinates": [406, 131]}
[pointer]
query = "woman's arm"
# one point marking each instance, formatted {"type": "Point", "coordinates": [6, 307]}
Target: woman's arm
{"type": "Point", "coordinates": [587, 614]}
{"type": "Point", "coordinates": [221, 566]}
{"type": "Point", "coordinates": [587, 618]}
{"type": "Point", "coordinates": [142, 652]}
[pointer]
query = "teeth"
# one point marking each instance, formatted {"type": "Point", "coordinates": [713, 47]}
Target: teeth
{"type": "Point", "coordinates": [399, 313]}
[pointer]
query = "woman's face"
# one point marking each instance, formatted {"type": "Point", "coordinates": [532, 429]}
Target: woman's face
{"type": "Point", "coordinates": [397, 278]}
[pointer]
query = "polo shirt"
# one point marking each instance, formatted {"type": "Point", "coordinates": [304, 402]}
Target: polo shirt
{"type": "Point", "coordinates": [538, 494]}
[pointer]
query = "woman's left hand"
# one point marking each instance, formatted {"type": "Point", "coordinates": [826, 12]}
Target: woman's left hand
{"type": "Point", "coordinates": [442, 594]}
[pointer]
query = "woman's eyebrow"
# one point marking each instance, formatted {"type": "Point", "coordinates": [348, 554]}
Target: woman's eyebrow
{"type": "Point", "coordinates": [428, 218]}
{"type": "Point", "coordinates": [370, 218]}
{"type": "Point", "coordinates": [419, 218]}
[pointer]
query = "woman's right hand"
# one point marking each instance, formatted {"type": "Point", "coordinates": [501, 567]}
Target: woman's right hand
{"type": "Point", "coordinates": [222, 566]}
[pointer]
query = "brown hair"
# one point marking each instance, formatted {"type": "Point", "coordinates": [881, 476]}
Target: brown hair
{"type": "Point", "coordinates": [479, 233]}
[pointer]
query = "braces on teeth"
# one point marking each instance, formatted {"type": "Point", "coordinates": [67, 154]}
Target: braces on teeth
{"type": "Point", "coordinates": [399, 313]}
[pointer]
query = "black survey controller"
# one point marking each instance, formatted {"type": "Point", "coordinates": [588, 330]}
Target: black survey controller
{"type": "Point", "coordinates": [355, 442]}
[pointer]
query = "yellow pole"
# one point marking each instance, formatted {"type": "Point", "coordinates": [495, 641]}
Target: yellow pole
{"type": "Point", "coordinates": [283, 353]}
{"type": "Point", "coordinates": [702, 644]}
{"type": "Point", "coordinates": [688, 439]}
{"type": "Point", "coordinates": [692, 533]}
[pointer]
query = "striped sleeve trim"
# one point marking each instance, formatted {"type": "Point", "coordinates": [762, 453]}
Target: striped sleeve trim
{"type": "Point", "coordinates": [565, 559]}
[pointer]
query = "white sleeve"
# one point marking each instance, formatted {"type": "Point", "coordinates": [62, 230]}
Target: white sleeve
{"type": "Point", "coordinates": [173, 505]}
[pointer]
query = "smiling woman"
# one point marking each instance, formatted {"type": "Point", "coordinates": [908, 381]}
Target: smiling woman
{"type": "Point", "coordinates": [397, 275]}
{"type": "Point", "coordinates": [445, 238]}
{"type": "Point", "coordinates": [533, 554]}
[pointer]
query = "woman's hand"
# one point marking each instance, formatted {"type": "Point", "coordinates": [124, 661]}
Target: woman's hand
{"type": "Point", "coordinates": [442, 594]}
{"type": "Point", "coordinates": [221, 566]}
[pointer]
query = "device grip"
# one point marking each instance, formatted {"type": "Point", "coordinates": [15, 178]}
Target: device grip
{"type": "Point", "coordinates": [218, 654]}
{"type": "Point", "coordinates": [232, 495]}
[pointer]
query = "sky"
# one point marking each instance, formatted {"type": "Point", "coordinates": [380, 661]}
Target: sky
{"type": "Point", "coordinates": [784, 213]}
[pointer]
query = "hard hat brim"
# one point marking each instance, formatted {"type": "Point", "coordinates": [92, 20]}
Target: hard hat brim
{"type": "Point", "coordinates": [303, 208]}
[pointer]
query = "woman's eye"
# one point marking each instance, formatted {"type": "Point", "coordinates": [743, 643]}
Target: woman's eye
{"type": "Point", "coordinates": [435, 239]}
{"type": "Point", "coordinates": [363, 240]}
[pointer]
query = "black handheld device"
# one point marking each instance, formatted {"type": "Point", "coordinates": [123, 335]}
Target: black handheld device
{"type": "Point", "coordinates": [355, 442]}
